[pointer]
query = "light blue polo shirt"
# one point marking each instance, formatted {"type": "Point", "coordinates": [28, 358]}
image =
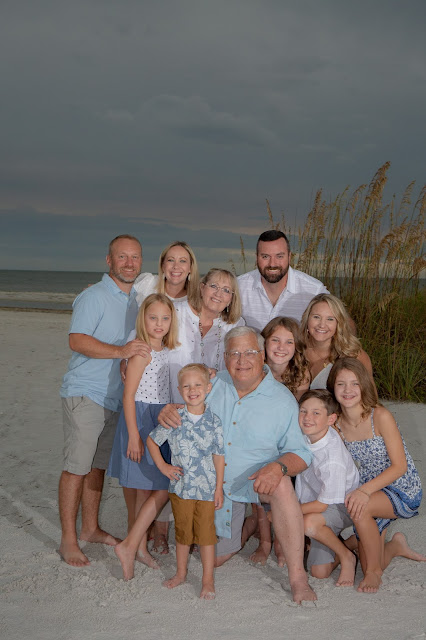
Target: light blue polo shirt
{"type": "Point", "coordinates": [257, 429]}
{"type": "Point", "coordinates": [108, 314]}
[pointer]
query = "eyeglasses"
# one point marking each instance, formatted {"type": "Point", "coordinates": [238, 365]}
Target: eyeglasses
{"type": "Point", "coordinates": [216, 288]}
{"type": "Point", "coordinates": [250, 354]}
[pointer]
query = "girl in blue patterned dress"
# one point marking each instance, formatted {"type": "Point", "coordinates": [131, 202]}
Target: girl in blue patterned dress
{"type": "Point", "coordinates": [390, 486]}
{"type": "Point", "coordinates": [147, 383]}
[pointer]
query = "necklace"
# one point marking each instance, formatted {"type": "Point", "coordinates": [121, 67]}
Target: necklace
{"type": "Point", "coordinates": [219, 333]}
{"type": "Point", "coordinates": [325, 362]}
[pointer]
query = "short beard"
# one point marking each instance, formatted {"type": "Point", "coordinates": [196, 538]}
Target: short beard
{"type": "Point", "coordinates": [275, 277]}
{"type": "Point", "coordinates": [121, 278]}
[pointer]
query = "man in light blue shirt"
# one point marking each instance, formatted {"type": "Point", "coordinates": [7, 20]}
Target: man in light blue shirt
{"type": "Point", "coordinates": [91, 392]}
{"type": "Point", "coordinates": [264, 446]}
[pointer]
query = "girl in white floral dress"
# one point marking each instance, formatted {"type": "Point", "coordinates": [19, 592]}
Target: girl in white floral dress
{"type": "Point", "coordinates": [390, 485]}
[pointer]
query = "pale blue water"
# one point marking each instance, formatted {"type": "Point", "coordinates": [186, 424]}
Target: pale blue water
{"type": "Point", "coordinates": [43, 289]}
{"type": "Point", "coordinates": [53, 289]}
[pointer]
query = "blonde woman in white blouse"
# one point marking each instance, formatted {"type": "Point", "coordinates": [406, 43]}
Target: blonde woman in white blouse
{"type": "Point", "coordinates": [178, 275]}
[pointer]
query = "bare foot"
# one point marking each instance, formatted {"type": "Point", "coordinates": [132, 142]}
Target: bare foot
{"type": "Point", "coordinates": [146, 559]}
{"type": "Point", "coordinates": [302, 592]}
{"type": "Point", "coordinates": [261, 554]}
{"type": "Point", "coordinates": [347, 571]}
{"type": "Point", "coordinates": [370, 583]}
{"type": "Point", "coordinates": [279, 553]}
{"type": "Point", "coordinates": [174, 582]}
{"type": "Point", "coordinates": [127, 560]}
{"type": "Point", "coordinates": [73, 555]}
{"type": "Point", "coordinates": [208, 591]}
{"type": "Point", "coordinates": [99, 536]}
{"type": "Point", "coordinates": [160, 544]}
{"type": "Point", "coordinates": [403, 550]}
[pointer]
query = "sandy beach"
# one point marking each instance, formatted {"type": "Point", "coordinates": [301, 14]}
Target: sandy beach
{"type": "Point", "coordinates": [43, 598]}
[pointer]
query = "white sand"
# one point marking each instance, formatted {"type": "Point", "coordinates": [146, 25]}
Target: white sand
{"type": "Point", "coordinates": [42, 597]}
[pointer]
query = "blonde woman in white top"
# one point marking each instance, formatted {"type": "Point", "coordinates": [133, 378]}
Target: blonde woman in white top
{"type": "Point", "coordinates": [178, 274]}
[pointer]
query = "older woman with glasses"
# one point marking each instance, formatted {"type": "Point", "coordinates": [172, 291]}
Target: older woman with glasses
{"type": "Point", "coordinates": [204, 320]}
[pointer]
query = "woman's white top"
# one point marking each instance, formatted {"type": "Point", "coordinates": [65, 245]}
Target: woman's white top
{"type": "Point", "coordinates": [320, 380]}
{"type": "Point", "coordinates": [190, 348]}
{"type": "Point", "coordinates": [145, 284]}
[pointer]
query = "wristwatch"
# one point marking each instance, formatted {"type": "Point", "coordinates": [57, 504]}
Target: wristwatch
{"type": "Point", "coordinates": [283, 467]}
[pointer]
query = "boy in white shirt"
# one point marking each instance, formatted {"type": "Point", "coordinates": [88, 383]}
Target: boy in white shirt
{"type": "Point", "coordinates": [322, 488]}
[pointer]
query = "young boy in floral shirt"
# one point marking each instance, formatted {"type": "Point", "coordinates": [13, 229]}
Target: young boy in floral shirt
{"type": "Point", "coordinates": [196, 474]}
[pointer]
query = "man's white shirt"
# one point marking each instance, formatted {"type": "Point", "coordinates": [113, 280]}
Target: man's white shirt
{"type": "Point", "coordinates": [258, 309]}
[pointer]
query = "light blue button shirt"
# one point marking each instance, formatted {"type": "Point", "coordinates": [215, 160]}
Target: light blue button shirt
{"type": "Point", "coordinates": [106, 313]}
{"type": "Point", "coordinates": [258, 428]}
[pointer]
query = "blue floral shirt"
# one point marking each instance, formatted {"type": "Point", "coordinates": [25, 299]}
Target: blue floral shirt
{"type": "Point", "coordinates": [192, 446]}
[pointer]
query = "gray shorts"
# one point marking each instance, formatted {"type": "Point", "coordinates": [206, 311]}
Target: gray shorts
{"type": "Point", "coordinates": [337, 518]}
{"type": "Point", "coordinates": [233, 544]}
{"type": "Point", "coordinates": [89, 433]}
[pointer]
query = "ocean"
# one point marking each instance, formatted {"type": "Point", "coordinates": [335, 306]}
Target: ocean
{"type": "Point", "coordinates": [50, 290]}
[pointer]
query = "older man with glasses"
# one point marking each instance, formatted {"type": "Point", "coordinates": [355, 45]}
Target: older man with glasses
{"type": "Point", "coordinates": [264, 447]}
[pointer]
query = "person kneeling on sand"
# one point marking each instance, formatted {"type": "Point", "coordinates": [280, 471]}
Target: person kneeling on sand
{"type": "Point", "coordinates": [323, 486]}
{"type": "Point", "coordinates": [196, 481]}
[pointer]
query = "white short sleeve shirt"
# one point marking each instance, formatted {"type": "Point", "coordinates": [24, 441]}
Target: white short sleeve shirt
{"type": "Point", "coordinates": [332, 473]}
{"type": "Point", "coordinates": [258, 309]}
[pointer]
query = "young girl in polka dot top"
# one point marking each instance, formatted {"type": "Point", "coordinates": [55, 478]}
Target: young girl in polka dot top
{"type": "Point", "coordinates": [146, 390]}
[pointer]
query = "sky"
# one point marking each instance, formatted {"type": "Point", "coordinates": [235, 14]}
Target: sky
{"type": "Point", "coordinates": [176, 119]}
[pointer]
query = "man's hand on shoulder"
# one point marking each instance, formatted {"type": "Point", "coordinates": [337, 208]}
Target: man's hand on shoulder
{"type": "Point", "coordinates": [169, 416]}
{"type": "Point", "coordinates": [135, 348]}
{"type": "Point", "coordinates": [267, 479]}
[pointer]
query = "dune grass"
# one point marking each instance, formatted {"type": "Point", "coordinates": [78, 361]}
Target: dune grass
{"type": "Point", "coordinates": [370, 254]}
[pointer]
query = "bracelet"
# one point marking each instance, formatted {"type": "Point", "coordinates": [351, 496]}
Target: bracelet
{"type": "Point", "coordinates": [364, 492]}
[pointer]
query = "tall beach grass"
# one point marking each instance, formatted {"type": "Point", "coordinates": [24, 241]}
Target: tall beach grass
{"type": "Point", "coordinates": [371, 254]}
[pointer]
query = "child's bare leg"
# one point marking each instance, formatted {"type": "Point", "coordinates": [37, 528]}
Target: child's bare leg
{"type": "Point", "coordinates": [130, 500]}
{"type": "Point", "coordinates": [316, 528]}
{"type": "Point", "coordinates": [351, 543]}
{"type": "Point", "coordinates": [207, 558]}
{"type": "Point", "coordinates": [161, 530]}
{"type": "Point", "coordinates": [249, 526]}
{"type": "Point", "coordinates": [371, 544]}
{"type": "Point", "coordinates": [265, 542]}
{"type": "Point", "coordinates": [398, 547]}
{"type": "Point", "coordinates": [182, 553]}
{"type": "Point", "coordinates": [126, 550]}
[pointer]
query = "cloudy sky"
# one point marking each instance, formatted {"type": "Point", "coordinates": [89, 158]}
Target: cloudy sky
{"type": "Point", "coordinates": [175, 119]}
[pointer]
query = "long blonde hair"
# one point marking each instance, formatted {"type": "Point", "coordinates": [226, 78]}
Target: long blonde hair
{"type": "Point", "coordinates": [297, 369]}
{"type": "Point", "coordinates": [343, 343]}
{"type": "Point", "coordinates": [232, 312]}
{"type": "Point", "coordinates": [192, 280]}
{"type": "Point", "coordinates": [170, 340]}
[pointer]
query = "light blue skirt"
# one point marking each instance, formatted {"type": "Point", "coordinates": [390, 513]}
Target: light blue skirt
{"type": "Point", "coordinates": [143, 474]}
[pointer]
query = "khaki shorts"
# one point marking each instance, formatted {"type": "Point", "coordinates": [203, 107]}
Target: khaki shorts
{"type": "Point", "coordinates": [194, 521]}
{"type": "Point", "coordinates": [89, 433]}
{"type": "Point", "coordinates": [337, 518]}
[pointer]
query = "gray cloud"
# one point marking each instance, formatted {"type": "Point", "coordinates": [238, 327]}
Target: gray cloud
{"type": "Point", "coordinates": [192, 113]}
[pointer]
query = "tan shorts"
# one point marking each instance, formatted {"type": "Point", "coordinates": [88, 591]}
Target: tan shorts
{"type": "Point", "coordinates": [89, 433]}
{"type": "Point", "coordinates": [194, 521]}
